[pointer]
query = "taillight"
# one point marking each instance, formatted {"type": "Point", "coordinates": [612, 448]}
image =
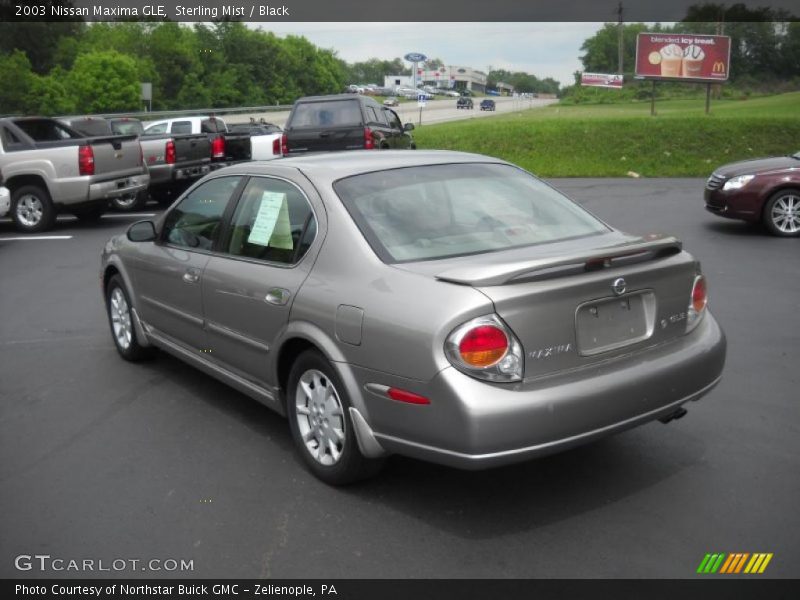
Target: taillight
{"type": "Point", "coordinates": [483, 346]}
{"type": "Point", "coordinates": [276, 146]}
{"type": "Point", "coordinates": [697, 303]}
{"type": "Point", "coordinates": [85, 160]}
{"type": "Point", "coordinates": [487, 349]}
{"type": "Point", "coordinates": [285, 145]}
{"type": "Point", "coordinates": [369, 141]}
{"type": "Point", "coordinates": [218, 147]}
{"type": "Point", "coordinates": [169, 153]}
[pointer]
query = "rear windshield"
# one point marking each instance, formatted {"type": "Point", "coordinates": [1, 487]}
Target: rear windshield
{"type": "Point", "coordinates": [431, 212]}
{"type": "Point", "coordinates": [335, 113]}
{"type": "Point", "coordinates": [91, 127]}
{"type": "Point", "coordinates": [127, 127]}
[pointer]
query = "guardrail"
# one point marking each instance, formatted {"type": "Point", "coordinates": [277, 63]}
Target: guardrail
{"type": "Point", "coordinates": [163, 114]}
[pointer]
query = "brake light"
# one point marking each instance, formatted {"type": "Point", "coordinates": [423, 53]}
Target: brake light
{"type": "Point", "coordinates": [483, 346]}
{"type": "Point", "coordinates": [276, 146]}
{"type": "Point", "coordinates": [218, 147]}
{"type": "Point", "coordinates": [369, 141]}
{"type": "Point", "coordinates": [487, 349]}
{"type": "Point", "coordinates": [285, 145]}
{"type": "Point", "coordinates": [169, 153]}
{"type": "Point", "coordinates": [85, 160]}
{"type": "Point", "coordinates": [697, 303]}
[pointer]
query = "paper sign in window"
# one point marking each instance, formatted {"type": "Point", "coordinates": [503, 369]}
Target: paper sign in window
{"type": "Point", "coordinates": [272, 227]}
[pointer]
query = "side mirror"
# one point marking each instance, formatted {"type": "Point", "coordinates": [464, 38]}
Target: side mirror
{"type": "Point", "coordinates": [408, 127]}
{"type": "Point", "coordinates": [142, 231]}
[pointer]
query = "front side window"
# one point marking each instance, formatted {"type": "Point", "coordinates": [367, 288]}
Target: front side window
{"type": "Point", "coordinates": [440, 211]}
{"type": "Point", "coordinates": [272, 222]}
{"type": "Point", "coordinates": [195, 222]}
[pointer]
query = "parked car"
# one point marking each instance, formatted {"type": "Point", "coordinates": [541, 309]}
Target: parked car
{"type": "Point", "coordinates": [344, 122]}
{"type": "Point", "coordinates": [51, 168]}
{"type": "Point", "coordinates": [391, 101]}
{"type": "Point", "coordinates": [488, 104]}
{"type": "Point", "coordinates": [465, 103]}
{"type": "Point", "coordinates": [226, 148]}
{"type": "Point", "coordinates": [440, 305]}
{"type": "Point", "coordinates": [5, 199]}
{"type": "Point", "coordinates": [452, 94]}
{"type": "Point", "coordinates": [265, 138]}
{"type": "Point", "coordinates": [173, 160]}
{"type": "Point", "coordinates": [765, 190]}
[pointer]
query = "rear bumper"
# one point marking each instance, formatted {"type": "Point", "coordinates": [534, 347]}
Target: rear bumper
{"type": "Point", "coordinates": [167, 174]}
{"type": "Point", "coordinates": [472, 424]}
{"type": "Point", "coordinates": [5, 201]}
{"type": "Point", "coordinates": [123, 186]}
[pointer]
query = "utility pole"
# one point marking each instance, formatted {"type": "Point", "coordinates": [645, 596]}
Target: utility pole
{"type": "Point", "coordinates": [620, 38]}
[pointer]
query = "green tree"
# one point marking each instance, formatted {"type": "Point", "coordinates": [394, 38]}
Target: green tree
{"type": "Point", "coordinates": [105, 82]}
{"type": "Point", "coordinates": [50, 95]}
{"type": "Point", "coordinates": [18, 79]}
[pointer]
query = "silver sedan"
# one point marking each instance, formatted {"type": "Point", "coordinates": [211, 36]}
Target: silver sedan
{"type": "Point", "coordinates": [444, 306]}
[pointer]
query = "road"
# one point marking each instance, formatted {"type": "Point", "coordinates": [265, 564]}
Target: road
{"type": "Point", "coordinates": [103, 459]}
{"type": "Point", "coordinates": [435, 111]}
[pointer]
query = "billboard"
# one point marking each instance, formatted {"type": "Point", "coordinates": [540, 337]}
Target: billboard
{"type": "Point", "coordinates": [683, 56]}
{"type": "Point", "coordinates": [606, 80]}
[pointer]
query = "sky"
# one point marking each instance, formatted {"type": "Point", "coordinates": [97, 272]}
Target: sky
{"type": "Point", "coordinates": [542, 49]}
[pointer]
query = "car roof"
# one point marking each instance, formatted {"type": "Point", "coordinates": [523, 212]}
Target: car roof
{"type": "Point", "coordinates": [332, 166]}
{"type": "Point", "coordinates": [351, 97]}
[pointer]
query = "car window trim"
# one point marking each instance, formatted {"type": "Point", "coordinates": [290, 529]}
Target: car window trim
{"type": "Point", "coordinates": [161, 240]}
{"type": "Point", "coordinates": [225, 233]}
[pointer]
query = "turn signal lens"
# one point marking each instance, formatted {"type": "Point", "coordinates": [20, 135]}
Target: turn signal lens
{"type": "Point", "coordinates": [483, 346]}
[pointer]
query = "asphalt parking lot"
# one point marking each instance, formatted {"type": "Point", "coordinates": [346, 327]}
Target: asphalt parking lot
{"type": "Point", "coordinates": [103, 459]}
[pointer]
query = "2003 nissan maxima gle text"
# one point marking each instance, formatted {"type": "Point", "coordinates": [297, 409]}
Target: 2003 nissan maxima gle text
{"type": "Point", "coordinates": [445, 306]}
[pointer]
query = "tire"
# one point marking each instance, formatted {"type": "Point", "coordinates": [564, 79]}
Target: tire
{"type": "Point", "coordinates": [318, 408]}
{"type": "Point", "coordinates": [782, 213]}
{"type": "Point", "coordinates": [129, 203]}
{"type": "Point", "coordinates": [120, 319]}
{"type": "Point", "coordinates": [32, 209]}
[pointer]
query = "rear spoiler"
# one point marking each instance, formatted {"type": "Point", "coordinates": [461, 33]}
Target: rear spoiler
{"type": "Point", "coordinates": [638, 250]}
{"type": "Point", "coordinates": [110, 138]}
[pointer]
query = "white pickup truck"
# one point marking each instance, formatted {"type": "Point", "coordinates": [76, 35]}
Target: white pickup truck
{"type": "Point", "coordinates": [5, 198]}
{"type": "Point", "coordinates": [49, 168]}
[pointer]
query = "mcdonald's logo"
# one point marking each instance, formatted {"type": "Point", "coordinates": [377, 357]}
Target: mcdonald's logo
{"type": "Point", "coordinates": [734, 564]}
{"type": "Point", "coordinates": [719, 67]}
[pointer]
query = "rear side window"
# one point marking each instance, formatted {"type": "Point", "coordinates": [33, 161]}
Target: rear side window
{"type": "Point", "coordinates": [273, 222]}
{"type": "Point", "coordinates": [157, 128]}
{"type": "Point", "coordinates": [182, 127]}
{"type": "Point", "coordinates": [195, 222]}
{"type": "Point", "coordinates": [332, 113]}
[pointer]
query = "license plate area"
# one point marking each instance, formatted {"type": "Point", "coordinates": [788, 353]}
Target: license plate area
{"type": "Point", "coordinates": [610, 323]}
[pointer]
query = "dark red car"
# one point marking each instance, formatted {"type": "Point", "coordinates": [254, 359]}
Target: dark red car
{"type": "Point", "coordinates": [764, 190]}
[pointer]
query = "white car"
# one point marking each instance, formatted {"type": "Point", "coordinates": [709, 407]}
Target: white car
{"type": "Point", "coordinates": [5, 201]}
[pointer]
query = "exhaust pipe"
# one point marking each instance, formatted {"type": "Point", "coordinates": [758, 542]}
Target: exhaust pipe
{"type": "Point", "coordinates": [681, 412]}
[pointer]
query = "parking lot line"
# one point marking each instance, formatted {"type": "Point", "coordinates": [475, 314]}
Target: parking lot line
{"type": "Point", "coordinates": [36, 237]}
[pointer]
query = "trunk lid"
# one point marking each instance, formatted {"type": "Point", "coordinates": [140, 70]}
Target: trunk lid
{"type": "Point", "coordinates": [566, 303]}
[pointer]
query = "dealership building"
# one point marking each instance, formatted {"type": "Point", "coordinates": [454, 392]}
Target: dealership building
{"type": "Point", "coordinates": [455, 77]}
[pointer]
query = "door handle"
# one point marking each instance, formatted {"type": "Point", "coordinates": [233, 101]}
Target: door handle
{"type": "Point", "coordinates": [191, 276]}
{"type": "Point", "coordinates": [277, 296]}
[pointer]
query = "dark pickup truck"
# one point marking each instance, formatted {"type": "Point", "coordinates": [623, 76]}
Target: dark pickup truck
{"type": "Point", "coordinates": [344, 122]}
{"type": "Point", "coordinates": [174, 160]}
{"type": "Point", "coordinates": [227, 147]}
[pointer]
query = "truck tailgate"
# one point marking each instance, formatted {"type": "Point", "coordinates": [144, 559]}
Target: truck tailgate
{"type": "Point", "coordinates": [116, 156]}
{"type": "Point", "coordinates": [192, 148]}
